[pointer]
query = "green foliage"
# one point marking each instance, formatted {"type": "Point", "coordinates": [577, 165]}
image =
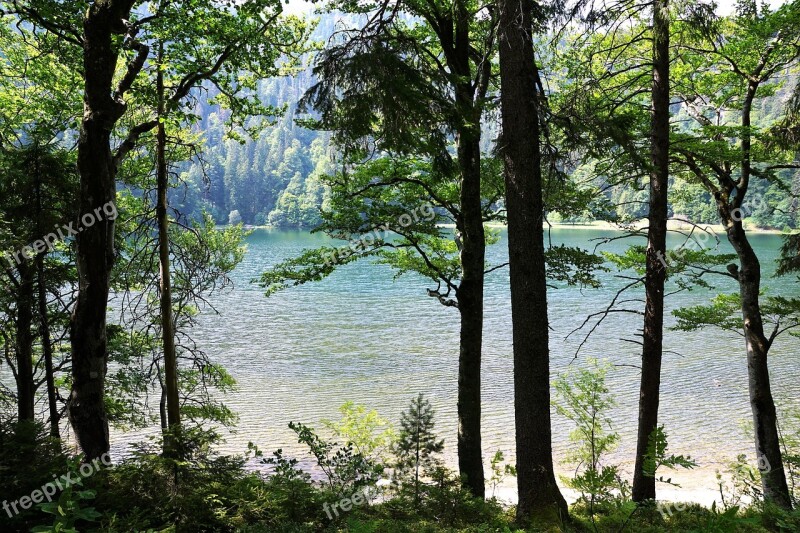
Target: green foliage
{"type": "Point", "coordinates": [128, 381]}
{"type": "Point", "coordinates": [275, 177]}
{"type": "Point", "coordinates": [743, 486]}
{"type": "Point", "coordinates": [685, 264]}
{"type": "Point", "coordinates": [789, 418]}
{"type": "Point", "coordinates": [228, 48]}
{"type": "Point", "coordinates": [500, 470]}
{"type": "Point", "coordinates": [311, 265]}
{"type": "Point", "coordinates": [417, 448]}
{"type": "Point", "coordinates": [346, 470]}
{"type": "Point", "coordinates": [724, 312]}
{"type": "Point", "coordinates": [720, 313]}
{"type": "Point", "coordinates": [292, 495]}
{"type": "Point", "coordinates": [573, 266]}
{"type": "Point", "coordinates": [790, 255]}
{"type": "Point", "coordinates": [370, 435]}
{"type": "Point", "coordinates": [583, 398]}
{"type": "Point", "coordinates": [728, 74]}
{"type": "Point", "coordinates": [29, 457]}
{"type": "Point", "coordinates": [203, 256]}
{"type": "Point", "coordinates": [392, 208]}
{"type": "Point", "coordinates": [656, 457]}
{"type": "Point", "coordinates": [38, 190]}
{"type": "Point", "coordinates": [603, 94]}
{"type": "Point", "coordinates": [68, 510]}
{"type": "Point", "coordinates": [46, 100]}
{"type": "Point", "coordinates": [196, 490]}
{"type": "Point", "coordinates": [740, 485]}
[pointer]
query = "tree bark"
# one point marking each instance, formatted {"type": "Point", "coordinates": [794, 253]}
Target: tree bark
{"type": "Point", "coordinates": [644, 483]}
{"type": "Point", "coordinates": [765, 420]}
{"type": "Point", "coordinates": [762, 405]}
{"type": "Point", "coordinates": [539, 497]}
{"type": "Point", "coordinates": [473, 248]}
{"type": "Point", "coordinates": [24, 343]}
{"type": "Point", "coordinates": [44, 319]}
{"type": "Point", "coordinates": [167, 324]}
{"type": "Point", "coordinates": [470, 305]}
{"type": "Point", "coordinates": [47, 349]}
{"type": "Point", "coordinates": [95, 243]}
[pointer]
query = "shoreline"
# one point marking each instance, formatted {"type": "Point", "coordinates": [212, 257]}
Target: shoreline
{"type": "Point", "coordinates": [672, 225]}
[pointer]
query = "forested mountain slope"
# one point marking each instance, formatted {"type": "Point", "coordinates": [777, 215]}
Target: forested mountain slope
{"type": "Point", "coordinates": [274, 178]}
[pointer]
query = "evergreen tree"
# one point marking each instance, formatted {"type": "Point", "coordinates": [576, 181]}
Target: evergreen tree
{"type": "Point", "coordinates": [418, 445]}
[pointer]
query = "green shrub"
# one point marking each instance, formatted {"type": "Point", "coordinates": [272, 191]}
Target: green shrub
{"type": "Point", "coordinates": [195, 490]}
{"type": "Point", "coordinates": [583, 398]}
{"type": "Point", "coordinates": [29, 458]}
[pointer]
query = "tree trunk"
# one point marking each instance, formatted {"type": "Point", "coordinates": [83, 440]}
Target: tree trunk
{"type": "Point", "coordinates": [644, 483]}
{"type": "Point", "coordinates": [24, 343]}
{"type": "Point", "coordinates": [765, 420]}
{"type": "Point", "coordinates": [47, 349]}
{"type": "Point", "coordinates": [44, 319]}
{"type": "Point", "coordinates": [95, 243]}
{"type": "Point", "coordinates": [473, 249]}
{"type": "Point", "coordinates": [470, 306]}
{"type": "Point", "coordinates": [539, 497]}
{"type": "Point", "coordinates": [167, 328]}
{"type": "Point", "coordinates": [162, 409]}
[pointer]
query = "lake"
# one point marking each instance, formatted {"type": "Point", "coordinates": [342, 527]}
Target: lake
{"type": "Point", "coordinates": [362, 336]}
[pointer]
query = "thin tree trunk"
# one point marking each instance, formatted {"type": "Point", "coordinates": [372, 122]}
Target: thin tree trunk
{"type": "Point", "coordinates": [44, 319]}
{"type": "Point", "coordinates": [167, 327]}
{"type": "Point", "coordinates": [162, 409]}
{"type": "Point", "coordinates": [47, 349]}
{"type": "Point", "coordinates": [24, 343]}
{"type": "Point", "coordinates": [95, 243]}
{"type": "Point", "coordinates": [539, 496]}
{"type": "Point", "coordinates": [644, 483]}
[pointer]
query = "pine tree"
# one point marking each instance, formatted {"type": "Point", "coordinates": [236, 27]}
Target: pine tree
{"type": "Point", "coordinates": [418, 445]}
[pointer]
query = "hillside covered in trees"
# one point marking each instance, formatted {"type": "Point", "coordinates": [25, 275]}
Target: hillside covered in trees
{"type": "Point", "coordinates": [273, 178]}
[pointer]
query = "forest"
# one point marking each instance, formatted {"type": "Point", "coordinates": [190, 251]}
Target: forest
{"type": "Point", "coordinates": [154, 154]}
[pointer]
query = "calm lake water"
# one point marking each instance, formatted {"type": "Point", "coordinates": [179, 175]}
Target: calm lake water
{"type": "Point", "coordinates": [362, 336]}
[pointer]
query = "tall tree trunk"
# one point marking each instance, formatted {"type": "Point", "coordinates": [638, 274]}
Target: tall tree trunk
{"type": "Point", "coordinates": [765, 419]}
{"type": "Point", "coordinates": [44, 319]}
{"type": "Point", "coordinates": [24, 343]}
{"type": "Point", "coordinates": [167, 327]}
{"type": "Point", "coordinates": [644, 483]}
{"type": "Point", "coordinates": [95, 243]}
{"type": "Point", "coordinates": [47, 348]}
{"type": "Point", "coordinates": [473, 250]}
{"type": "Point", "coordinates": [470, 306]}
{"type": "Point", "coordinates": [539, 496]}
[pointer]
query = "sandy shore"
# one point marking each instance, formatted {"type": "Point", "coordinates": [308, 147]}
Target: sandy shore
{"type": "Point", "coordinates": [672, 225]}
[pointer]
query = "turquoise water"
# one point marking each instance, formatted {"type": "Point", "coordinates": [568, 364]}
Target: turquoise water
{"type": "Point", "coordinates": [360, 335]}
